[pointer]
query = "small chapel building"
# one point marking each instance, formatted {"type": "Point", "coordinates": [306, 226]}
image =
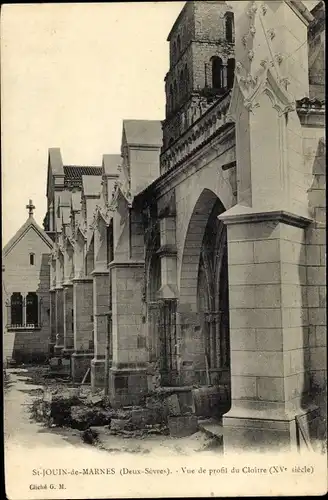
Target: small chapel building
{"type": "Point", "coordinates": [25, 287]}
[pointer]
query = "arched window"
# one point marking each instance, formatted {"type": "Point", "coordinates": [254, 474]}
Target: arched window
{"type": "Point", "coordinates": [32, 309]}
{"type": "Point", "coordinates": [217, 73]}
{"type": "Point", "coordinates": [32, 259]}
{"type": "Point", "coordinates": [181, 84]}
{"type": "Point", "coordinates": [16, 309]}
{"type": "Point", "coordinates": [175, 94]}
{"type": "Point", "coordinates": [186, 78]}
{"type": "Point", "coordinates": [230, 73]}
{"type": "Point", "coordinates": [178, 45]}
{"type": "Point", "coordinates": [229, 27]}
{"type": "Point", "coordinates": [171, 98]}
{"type": "Point", "coordinates": [174, 50]}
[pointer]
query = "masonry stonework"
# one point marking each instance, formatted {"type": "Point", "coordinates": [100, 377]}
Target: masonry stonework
{"type": "Point", "coordinates": [198, 253]}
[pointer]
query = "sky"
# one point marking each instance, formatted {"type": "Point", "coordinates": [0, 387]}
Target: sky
{"type": "Point", "coordinates": [70, 74]}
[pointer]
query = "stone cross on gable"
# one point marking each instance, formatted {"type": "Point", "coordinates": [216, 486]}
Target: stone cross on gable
{"type": "Point", "coordinates": [30, 208]}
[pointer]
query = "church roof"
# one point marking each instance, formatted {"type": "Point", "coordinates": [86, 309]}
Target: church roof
{"type": "Point", "coordinates": [143, 132]}
{"type": "Point", "coordinates": [74, 173]}
{"type": "Point", "coordinates": [30, 223]}
{"type": "Point", "coordinates": [91, 185]}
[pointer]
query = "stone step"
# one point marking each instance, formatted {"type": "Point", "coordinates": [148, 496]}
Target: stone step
{"type": "Point", "coordinates": [211, 427]}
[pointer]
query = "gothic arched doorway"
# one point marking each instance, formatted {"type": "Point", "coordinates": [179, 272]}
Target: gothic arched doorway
{"type": "Point", "coordinates": [212, 297]}
{"type": "Point", "coordinates": [203, 307]}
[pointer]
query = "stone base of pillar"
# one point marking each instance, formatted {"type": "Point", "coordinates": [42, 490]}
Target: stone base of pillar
{"type": "Point", "coordinates": [97, 373]}
{"type": "Point", "coordinates": [80, 362]}
{"type": "Point", "coordinates": [58, 350]}
{"type": "Point", "coordinates": [67, 352]}
{"type": "Point", "coordinates": [51, 348]}
{"type": "Point", "coordinates": [127, 386]}
{"type": "Point", "coordinates": [248, 430]}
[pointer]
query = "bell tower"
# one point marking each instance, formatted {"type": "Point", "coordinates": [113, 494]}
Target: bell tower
{"type": "Point", "coordinates": [201, 64]}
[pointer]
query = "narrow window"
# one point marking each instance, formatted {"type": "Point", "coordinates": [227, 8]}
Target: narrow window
{"type": "Point", "coordinates": [229, 27]}
{"type": "Point", "coordinates": [181, 84]}
{"type": "Point", "coordinates": [217, 69]}
{"type": "Point", "coordinates": [186, 78]}
{"type": "Point", "coordinates": [178, 45]}
{"type": "Point", "coordinates": [16, 309]}
{"type": "Point", "coordinates": [175, 95]}
{"type": "Point", "coordinates": [230, 73]}
{"type": "Point", "coordinates": [174, 51]}
{"type": "Point", "coordinates": [171, 98]}
{"type": "Point", "coordinates": [32, 309]}
{"type": "Point", "coordinates": [32, 259]}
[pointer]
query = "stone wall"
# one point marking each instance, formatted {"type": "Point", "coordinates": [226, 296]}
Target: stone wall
{"type": "Point", "coordinates": [316, 262]}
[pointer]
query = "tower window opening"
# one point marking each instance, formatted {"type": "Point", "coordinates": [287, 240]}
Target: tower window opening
{"type": "Point", "coordinates": [171, 98]}
{"type": "Point", "coordinates": [181, 84]}
{"type": "Point", "coordinates": [175, 94]}
{"type": "Point", "coordinates": [32, 260]}
{"type": "Point", "coordinates": [186, 78]}
{"type": "Point", "coordinates": [174, 51]}
{"type": "Point", "coordinates": [229, 27]}
{"type": "Point", "coordinates": [230, 73]}
{"type": "Point", "coordinates": [217, 73]}
{"type": "Point", "coordinates": [178, 45]}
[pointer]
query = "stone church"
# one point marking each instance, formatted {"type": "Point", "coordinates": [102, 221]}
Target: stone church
{"type": "Point", "coordinates": [196, 258]}
{"type": "Point", "coordinates": [25, 289]}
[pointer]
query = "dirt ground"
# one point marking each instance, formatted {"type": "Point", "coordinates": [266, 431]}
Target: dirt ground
{"type": "Point", "coordinates": [24, 385]}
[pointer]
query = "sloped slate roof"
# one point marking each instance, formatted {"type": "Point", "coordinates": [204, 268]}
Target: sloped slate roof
{"type": "Point", "coordinates": [143, 132]}
{"type": "Point", "coordinates": [74, 173]}
{"type": "Point", "coordinates": [91, 184]}
{"type": "Point", "coordinates": [111, 163]}
{"type": "Point", "coordinates": [21, 233]}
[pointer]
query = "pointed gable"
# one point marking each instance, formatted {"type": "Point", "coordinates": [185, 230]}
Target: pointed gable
{"type": "Point", "coordinates": [143, 132]}
{"type": "Point", "coordinates": [110, 164]}
{"type": "Point", "coordinates": [29, 225]}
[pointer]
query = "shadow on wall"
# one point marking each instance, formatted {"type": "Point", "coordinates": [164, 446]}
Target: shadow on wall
{"type": "Point", "coordinates": [31, 345]}
{"type": "Point", "coordinates": [314, 302]}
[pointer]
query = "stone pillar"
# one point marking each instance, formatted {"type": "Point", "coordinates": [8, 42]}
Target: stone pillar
{"type": "Point", "coordinates": [100, 303]}
{"type": "Point", "coordinates": [68, 319]}
{"type": "Point", "coordinates": [100, 313]}
{"type": "Point", "coordinates": [167, 295]}
{"type": "Point", "coordinates": [316, 249]}
{"type": "Point", "coordinates": [52, 340]}
{"type": "Point", "coordinates": [268, 331]}
{"type": "Point", "coordinates": [266, 237]}
{"type": "Point", "coordinates": [68, 300]}
{"type": "Point", "coordinates": [59, 304]}
{"type": "Point", "coordinates": [59, 345]}
{"type": "Point", "coordinates": [83, 327]}
{"type": "Point", "coordinates": [128, 374]}
{"type": "Point", "coordinates": [224, 75]}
